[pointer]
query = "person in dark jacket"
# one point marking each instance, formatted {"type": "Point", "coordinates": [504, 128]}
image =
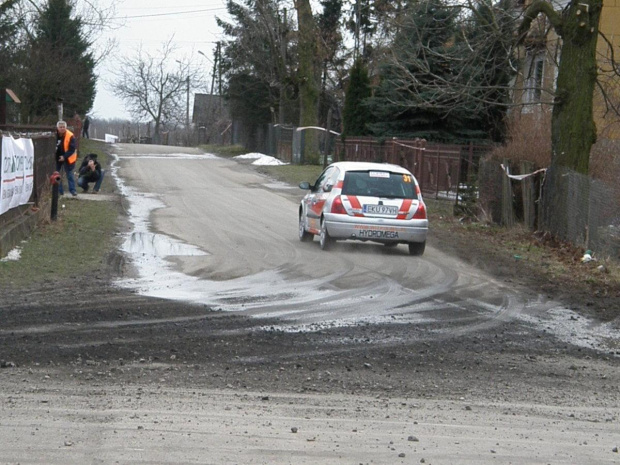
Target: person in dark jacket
{"type": "Point", "coordinates": [66, 155]}
{"type": "Point", "coordinates": [85, 126]}
{"type": "Point", "coordinates": [90, 171]}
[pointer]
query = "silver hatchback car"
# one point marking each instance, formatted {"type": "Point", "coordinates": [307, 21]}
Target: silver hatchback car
{"type": "Point", "coordinates": [361, 201]}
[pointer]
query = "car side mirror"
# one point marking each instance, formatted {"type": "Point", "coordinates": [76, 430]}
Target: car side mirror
{"type": "Point", "coordinates": [328, 188]}
{"type": "Point", "coordinates": [305, 185]}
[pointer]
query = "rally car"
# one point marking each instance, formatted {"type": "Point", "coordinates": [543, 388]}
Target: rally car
{"type": "Point", "coordinates": [366, 202]}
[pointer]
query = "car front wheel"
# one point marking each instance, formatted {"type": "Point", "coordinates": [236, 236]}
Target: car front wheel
{"type": "Point", "coordinates": [417, 248]}
{"type": "Point", "coordinates": [325, 239]}
{"type": "Point", "coordinates": [304, 236]}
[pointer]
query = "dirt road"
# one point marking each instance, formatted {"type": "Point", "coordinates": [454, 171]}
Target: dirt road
{"type": "Point", "coordinates": [225, 340]}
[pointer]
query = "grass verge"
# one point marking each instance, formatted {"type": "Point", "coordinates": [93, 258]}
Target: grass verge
{"type": "Point", "coordinates": [227, 151]}
{"type": "Point", "coordinates": [292, 174]}
{"type": "Point", "coordinates": [75, 244]}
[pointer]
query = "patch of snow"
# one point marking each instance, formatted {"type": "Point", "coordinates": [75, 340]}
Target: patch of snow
{"type": "Point", "coordinates": [177, 156]}
{"type": "Point", "coordinates": [250, 156]}
{"type": "Point", "coordinates": [13, 255]}
{"type": "Point", "coordinates": [261, 159]}
{"type": "Point", "coordinates": [268, 161]}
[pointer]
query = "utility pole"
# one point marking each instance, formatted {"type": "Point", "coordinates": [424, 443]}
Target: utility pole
{"type": "Point", "coordinates": [187, 109]}
{"type": "Point", "coordinates": [215, 61]}
{"type": "Point", "coordinates": [219, 71]}
{"type": "Point", "coordinates": [283, 48]}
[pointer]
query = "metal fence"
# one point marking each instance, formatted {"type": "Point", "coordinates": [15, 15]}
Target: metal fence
{"type": "Point", "coordinates": [582, 210]}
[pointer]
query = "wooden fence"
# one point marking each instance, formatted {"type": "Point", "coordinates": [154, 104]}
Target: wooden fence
{"type": "Point", "coordinates": [439, 168]}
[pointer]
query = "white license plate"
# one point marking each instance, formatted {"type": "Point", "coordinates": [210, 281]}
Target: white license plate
{"type": "Point", "coordinates": [381, 209]}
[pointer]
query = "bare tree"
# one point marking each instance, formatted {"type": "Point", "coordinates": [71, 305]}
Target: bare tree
{"type": "Point", "coordinates": [155, 87]}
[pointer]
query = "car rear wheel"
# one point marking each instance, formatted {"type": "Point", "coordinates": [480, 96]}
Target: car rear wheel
{"type": "Point", "coordinates": [325, 239]}
{"type": "Point", "coordinates": [417, 248]}
{"type": "Point", "coordinates": [304, 236]}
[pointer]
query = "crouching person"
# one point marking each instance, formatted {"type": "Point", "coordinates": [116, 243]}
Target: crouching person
{"type": "Point", "coordinates": [90, 171]}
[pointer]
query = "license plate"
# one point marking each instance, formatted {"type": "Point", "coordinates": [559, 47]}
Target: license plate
{"type": "Point", "coordinates": [381, 209]}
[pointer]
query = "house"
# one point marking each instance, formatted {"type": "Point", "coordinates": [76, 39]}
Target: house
{"type": "Point", "coordinates": [211, 118]}
{"type": "Point", "coordinates": [541, 51]}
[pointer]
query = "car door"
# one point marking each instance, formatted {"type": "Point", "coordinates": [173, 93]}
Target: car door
{"type": "Point", "coordinates": [316, 199]}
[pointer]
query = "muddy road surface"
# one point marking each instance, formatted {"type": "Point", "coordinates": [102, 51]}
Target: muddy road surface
{"type": "Point", "coordinates": [223, 339]}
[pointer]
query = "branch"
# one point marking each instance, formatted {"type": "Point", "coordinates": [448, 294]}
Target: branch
{"type": "Point", "coordinates": [532, 11]}
{"type": "Point", "coordinates": [614, 65]}
{"type": "Point", "coordinates": [609, 104]}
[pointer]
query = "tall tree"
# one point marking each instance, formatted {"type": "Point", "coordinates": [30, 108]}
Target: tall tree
{"type": "Point", "coordinates": [61, 65]}
{"type": "Point", "coordinates": [260, 46]}
{"type": "Point", "coordinates": [356, 114]}
{"type": "Point", "coordinates": [406, 101]}
{"type": "Point", "coordinates": [573, 131]}
{"type": "Point", "coordinates": [447, 74]}
{"type": "Point", "coordinates": [331, 37]}
{"type": "Point", "coordinates": [9, 24]}
{"type": "Point", "coordinates": [310, 53]}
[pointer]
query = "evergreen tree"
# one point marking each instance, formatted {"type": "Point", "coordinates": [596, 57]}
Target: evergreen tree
{"type": "Point", "coordinates": [329, 27]}
{"type": "Point", "coordinates": [8, 42]}
{"type": "Point", "coordinates": [356, 114]}
{"type": "Point", "coordinates": [259, 47]}
{"type": "Point", "coordinates": [486, 50]}
{"type": "Point", "coordinates": [448, 75]}
{"type": "Point", "coordinates": [61, 65]}
{"type": "Point", "coordinates": [249, 101]}
{"type": "Point", "coordinates": [407, 103]}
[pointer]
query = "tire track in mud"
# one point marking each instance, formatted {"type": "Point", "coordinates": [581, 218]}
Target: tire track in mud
{"type": "Point", "coordinates": [270, 275]}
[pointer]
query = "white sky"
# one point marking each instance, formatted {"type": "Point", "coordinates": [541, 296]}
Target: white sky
{"type": "Point", "coordinates": [151, 23]}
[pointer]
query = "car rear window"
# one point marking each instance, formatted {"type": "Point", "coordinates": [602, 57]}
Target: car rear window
{"type": "Point", "coordinates": [379, 184]}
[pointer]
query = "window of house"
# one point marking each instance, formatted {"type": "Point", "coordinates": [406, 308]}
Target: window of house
{"type": "Point", "coordinates": [534, 79]}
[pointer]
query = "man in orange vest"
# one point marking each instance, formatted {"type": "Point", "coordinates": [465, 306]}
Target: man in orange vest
{"type": "Point", "coordinates": [66, 155]}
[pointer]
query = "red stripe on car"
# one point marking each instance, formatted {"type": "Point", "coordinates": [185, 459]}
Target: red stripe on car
{"type": "Point", "coordinates": [355, 203]}
{"type": "Point", "coordinates": [404, 209]}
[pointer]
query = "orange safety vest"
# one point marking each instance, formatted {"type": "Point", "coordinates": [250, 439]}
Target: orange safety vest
{"type": "Point", "coordinates": [67, 139]}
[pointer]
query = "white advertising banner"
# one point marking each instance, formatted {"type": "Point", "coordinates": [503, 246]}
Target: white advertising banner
{"type": "Point", "coordinates": [17, 172]}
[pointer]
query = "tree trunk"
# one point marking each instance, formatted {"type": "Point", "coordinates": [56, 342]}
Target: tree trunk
{"type": "Point", "coordinates": [573, 130]}
{"type": "Point", "coordinates": [307, 74]}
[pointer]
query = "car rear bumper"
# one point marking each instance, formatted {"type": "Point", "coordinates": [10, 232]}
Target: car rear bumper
{"type": "Point", "coordinates": [376, 229]}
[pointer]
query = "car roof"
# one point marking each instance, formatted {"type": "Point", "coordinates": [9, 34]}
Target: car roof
{"type": "Point", "coordinates": [367, 166]}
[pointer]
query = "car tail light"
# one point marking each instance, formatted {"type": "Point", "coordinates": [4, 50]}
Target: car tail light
{"type": "Point", "coordinates": [420, 213]}
{"type": "Point", "coordinates": [337, 206]}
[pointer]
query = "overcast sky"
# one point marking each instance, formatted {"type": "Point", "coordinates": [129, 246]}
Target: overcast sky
{"type": "Point", "coordinates": [151, 23]}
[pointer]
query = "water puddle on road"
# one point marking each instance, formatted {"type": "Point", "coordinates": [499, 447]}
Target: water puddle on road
{"type": "Point", "coordinates": [150, 253]}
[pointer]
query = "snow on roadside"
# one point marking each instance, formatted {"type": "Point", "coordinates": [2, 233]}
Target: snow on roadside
{"type": "Point", "coordinates": [261, 159]}
{"type": "Point", "coordinates": [13, 255]}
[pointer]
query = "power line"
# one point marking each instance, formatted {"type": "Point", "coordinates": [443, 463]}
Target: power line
{"type": "Point", "coordinates": [172, 13]}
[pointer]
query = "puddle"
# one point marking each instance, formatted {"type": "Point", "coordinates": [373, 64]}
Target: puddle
{"type": "Point", "coordinates": [149, 252]}
{"type": "Point", "coordinates": [143, 243]}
